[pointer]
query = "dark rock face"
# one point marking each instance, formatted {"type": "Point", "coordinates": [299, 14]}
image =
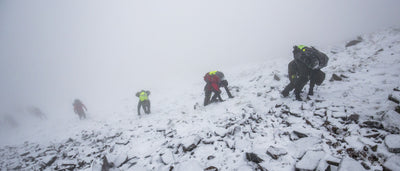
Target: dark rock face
{"type": "Point", "coordinates": [253, 158]}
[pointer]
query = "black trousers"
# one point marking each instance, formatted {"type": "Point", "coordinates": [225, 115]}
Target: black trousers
{"type": "Point", "coordinates": [146, 106]}
{"type": "Point", "coordinates": [217, 95]}
{"type": "Point", "coordinates": [297, 84]}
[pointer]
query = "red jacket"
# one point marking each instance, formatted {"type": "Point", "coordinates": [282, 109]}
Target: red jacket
{"type": "Point", "coordinates": [212, 82]}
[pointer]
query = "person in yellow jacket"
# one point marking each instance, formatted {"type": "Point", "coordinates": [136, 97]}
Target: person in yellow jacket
{"type": "Point", "coordinates": [143, 101]}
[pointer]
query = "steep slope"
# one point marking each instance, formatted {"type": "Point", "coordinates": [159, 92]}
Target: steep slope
{"type": "Point", "coordinates": [343, 125]}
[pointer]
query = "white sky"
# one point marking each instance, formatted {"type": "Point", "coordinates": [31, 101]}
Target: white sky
{"type": "Point", "coordinates": [54, 51]}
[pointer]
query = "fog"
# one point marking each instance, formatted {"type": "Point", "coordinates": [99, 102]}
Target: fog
{"type": "Point", "coordinates": [102, 52]}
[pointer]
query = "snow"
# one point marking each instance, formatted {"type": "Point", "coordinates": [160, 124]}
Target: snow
{"type": "Point", "coordinates": [257, 118]}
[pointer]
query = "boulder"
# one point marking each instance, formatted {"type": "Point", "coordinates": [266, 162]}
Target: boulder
{"type": "Point", "coordinates": [310, 161]}
{"type": "Point", "coordinates": [392, 142]}
{"type": "Point", "coordinates": [275, 152]}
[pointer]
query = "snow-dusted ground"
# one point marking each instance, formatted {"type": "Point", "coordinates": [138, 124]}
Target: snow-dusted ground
{"type": "Point", "coordinates": [344, 119]}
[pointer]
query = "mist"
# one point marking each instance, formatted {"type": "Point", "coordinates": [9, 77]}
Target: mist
{"type": "Point", "coordinates": [102, 52]}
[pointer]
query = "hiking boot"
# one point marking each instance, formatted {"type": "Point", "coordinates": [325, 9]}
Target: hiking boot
{"type": "Point", "coordinates": [298, 98]}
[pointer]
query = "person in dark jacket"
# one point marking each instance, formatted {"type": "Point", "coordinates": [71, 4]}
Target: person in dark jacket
{"type": "Point", "coordinates": [212, 86]}
{"type": "Point", "coordinates": [223, 83]}
{"type": "Point", "coordinates": [143, 101]}
{"type": "Point", "coordinates": [300, 74]}
{"type": "Point", "coordinates": [79, 109]}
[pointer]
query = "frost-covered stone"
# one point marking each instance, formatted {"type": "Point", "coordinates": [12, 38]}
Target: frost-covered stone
{"type": "Point", "coordinates": [348, 163]}
{"type": "Point", "coordinates": [392, 163]}
{"type": "Point", "coordinates": [393, 143]}
{"type": "Point", "coordinates": [275, 152]}
{"type": "Point", "coordinates": [120, 160]}
{"type": "Point", "coordinates": [310, 161]}
{"type": "Point", "coordinates": [391, 121]}
{"type": "Point", "coordinates": [220, 131]}
{"type": "Point", "coordinates": [167, 157]}
{"type": "Point", "coordinates": [191, 143]}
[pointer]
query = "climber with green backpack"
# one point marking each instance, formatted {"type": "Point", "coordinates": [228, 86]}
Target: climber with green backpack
{"type": "Point", "coordinates": [143, 101]}
{"type": "Point", "coordinates": [306, 66]}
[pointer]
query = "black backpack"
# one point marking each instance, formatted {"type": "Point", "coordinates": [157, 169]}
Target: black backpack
{"type": "Point", "coordinates": [311, 57]}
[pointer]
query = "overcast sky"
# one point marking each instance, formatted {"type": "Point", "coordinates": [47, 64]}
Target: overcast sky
{"type": "Point", "coordinates": [54, 51]}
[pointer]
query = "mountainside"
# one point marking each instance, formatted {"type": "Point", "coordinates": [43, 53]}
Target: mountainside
{"type": "Point", "coordinates": [350, 123]}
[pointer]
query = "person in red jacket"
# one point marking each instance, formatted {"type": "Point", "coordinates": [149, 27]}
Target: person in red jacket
{"type": "Point", "coordinates": [78, 109]}
{"type": "Point", "coordinates": [212, 86]}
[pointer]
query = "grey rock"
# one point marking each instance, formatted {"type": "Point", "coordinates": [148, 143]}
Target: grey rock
{"type": "Point", "coordinates": [211, 168]}
{"type": "Point", "coordinates": [253, 158]}
{"type": "Point", "coordinates": [300, 134]}
{"type": "Point", "coordinates": [353, 117]}
{"type": "Point", "coordinates": [372, 124]}
{"type": "Point", "coordinates": [275, 152]}
{"type": "Point", "coordinates": [392, 142]}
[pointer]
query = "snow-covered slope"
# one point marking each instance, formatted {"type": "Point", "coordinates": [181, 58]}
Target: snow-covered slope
{"type": "Point", "coordinates": [342, 126]}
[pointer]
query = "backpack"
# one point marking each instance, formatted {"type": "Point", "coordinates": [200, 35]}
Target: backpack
{"type": "Point", "coordinates": [311, 57]}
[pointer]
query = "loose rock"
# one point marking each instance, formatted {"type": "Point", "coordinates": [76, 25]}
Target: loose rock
{"type": "Point", "coordinates": [392, 142]}
{"type": "Point", "coordinates": [253, 158]}
{"type": "Point", "coordinates": [348, 163]}
{"type": "Point", "coordinates": [275, 152]}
